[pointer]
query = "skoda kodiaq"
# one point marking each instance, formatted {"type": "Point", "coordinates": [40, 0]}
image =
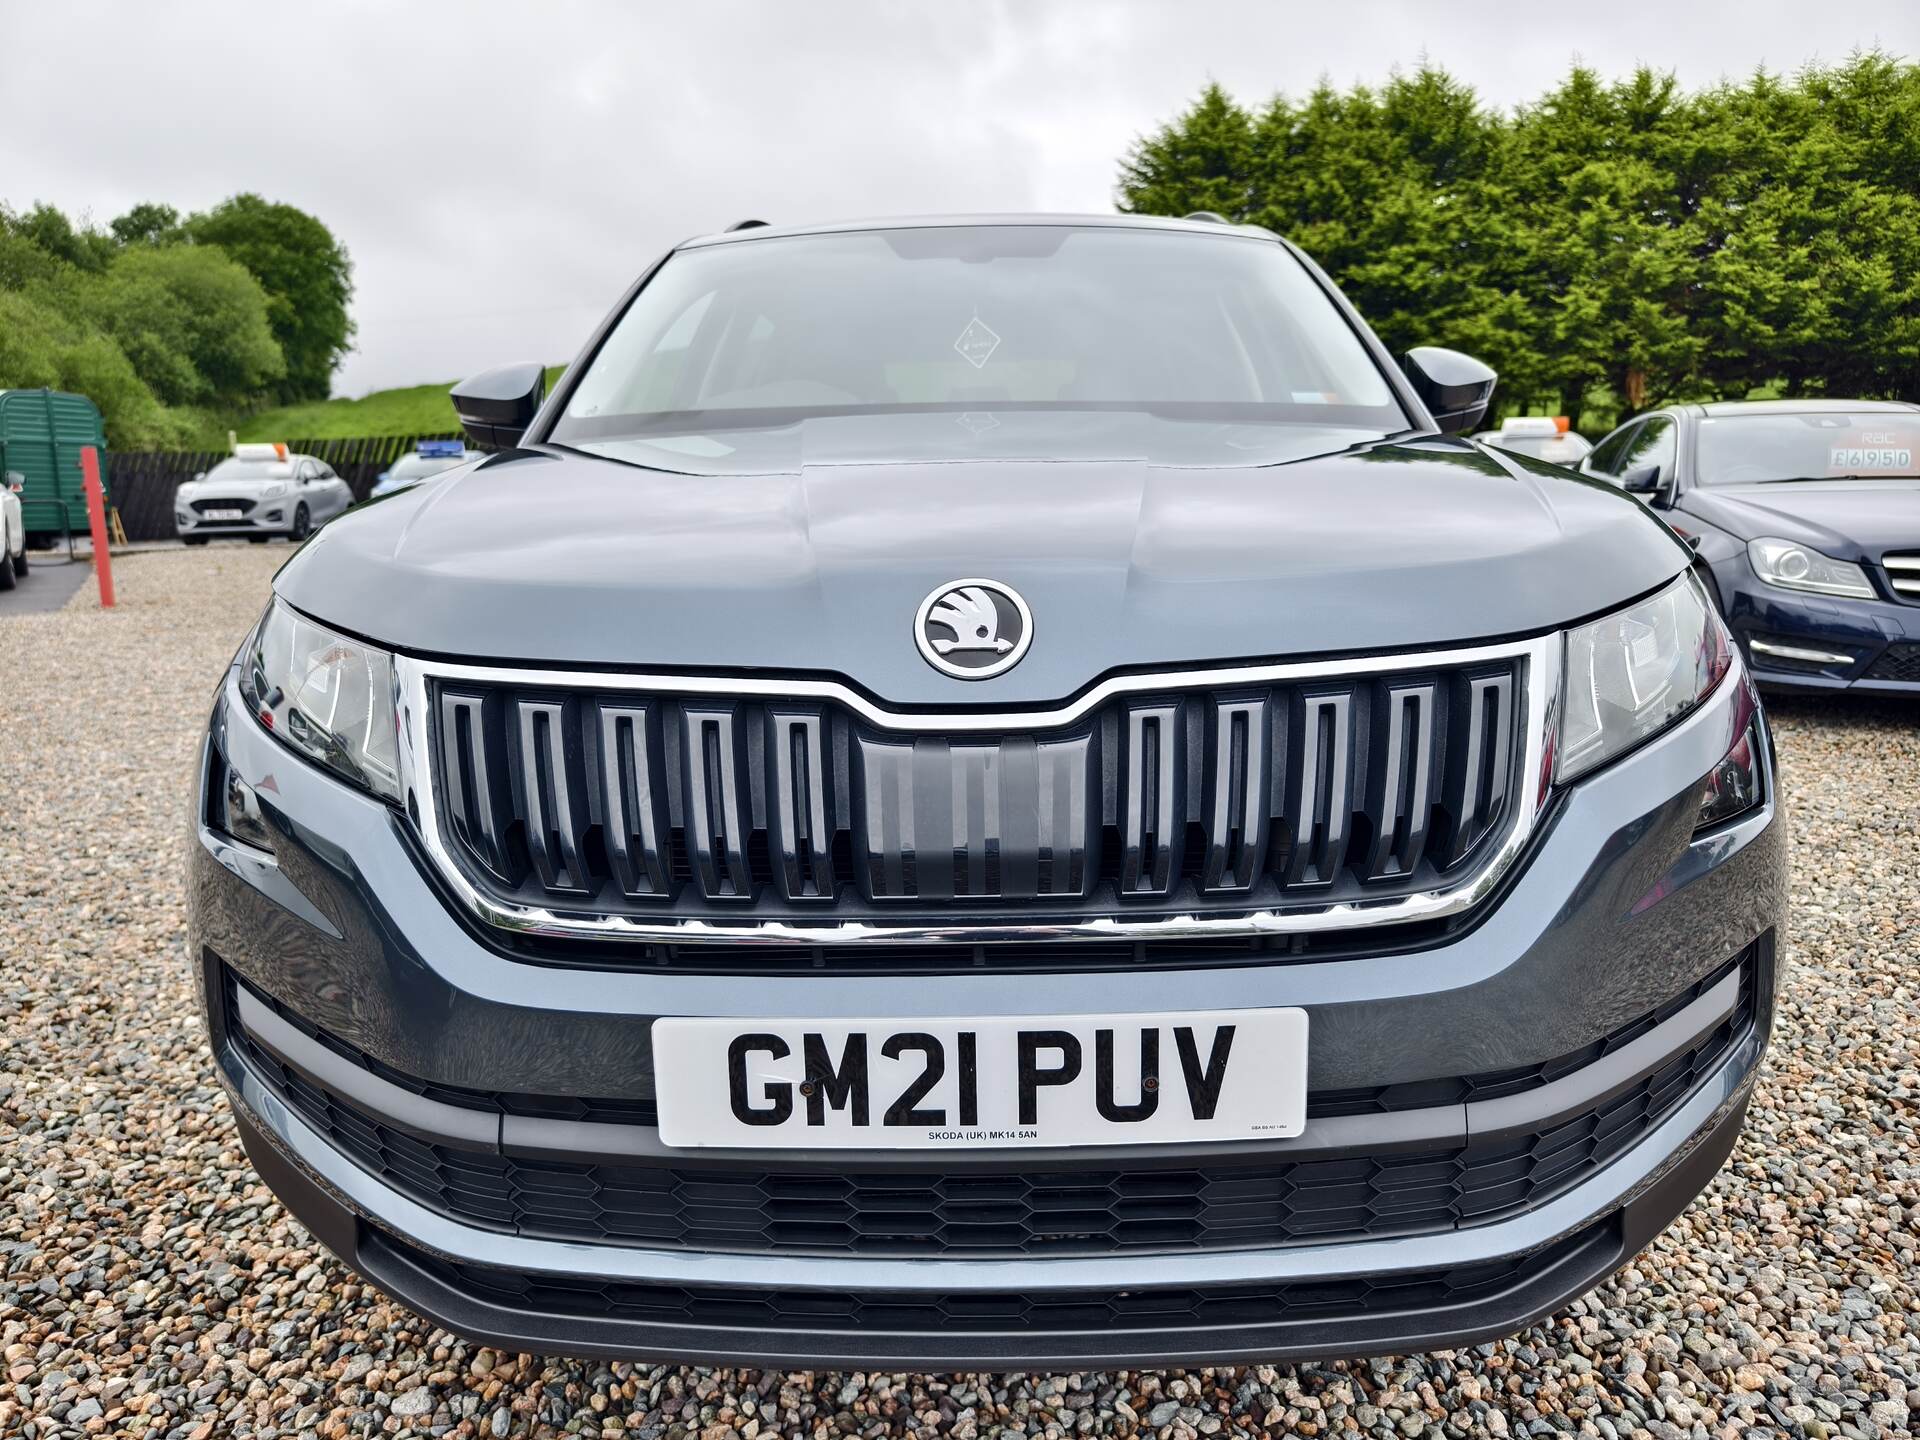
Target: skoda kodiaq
{"type": "Point", "coordinates": [988, 793]}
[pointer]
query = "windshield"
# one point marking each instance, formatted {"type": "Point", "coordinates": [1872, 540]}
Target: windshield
{"type": "Point", "coordinates": [1817, 445]}
{"type": "Point", "coordinates": [251, 470]}
{"type": "Point", "coordinates": [1054, 341]}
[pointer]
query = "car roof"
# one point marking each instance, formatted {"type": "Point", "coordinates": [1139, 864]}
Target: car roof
{"type": "Point", "coordinates": [1801, 407]}
{"type": "Point", "coordinates": [929, 222]}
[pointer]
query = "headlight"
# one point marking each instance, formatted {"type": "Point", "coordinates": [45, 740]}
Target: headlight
{"type": "Point", "coordinates": [1794, 566]}
{"type": "Point", "coordinates": [1632, 673]}
{"type": "Point", "coordinates": [278, 488]}
{"type": "Point", "coordinates": [329, 697]}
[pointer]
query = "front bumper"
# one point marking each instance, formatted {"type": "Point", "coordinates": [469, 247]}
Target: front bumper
{"type": "Point", "coordinates": [1615, 912]}
{"type": "Point", "coordinates": [1814, 643]}
{"type": "Point", "coordinates": [257, 517]}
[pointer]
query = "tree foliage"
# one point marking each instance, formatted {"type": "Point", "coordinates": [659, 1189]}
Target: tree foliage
{"type": "Point", "coordinates": [1621, 242]}
{"type": "Point", "coordinates": [308, 280]}
{"type": "Point", "coordinates": [173, 325]}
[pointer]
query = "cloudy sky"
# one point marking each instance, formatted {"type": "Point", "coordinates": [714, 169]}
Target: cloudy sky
{"type": "Point", "coordinates": [500, 171]}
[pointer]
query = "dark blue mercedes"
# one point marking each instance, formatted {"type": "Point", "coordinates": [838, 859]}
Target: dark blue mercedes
{"type": "Point", "coordinates": [1807, 515]}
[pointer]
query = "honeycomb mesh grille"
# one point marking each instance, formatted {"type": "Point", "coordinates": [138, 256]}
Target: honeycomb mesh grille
{"type": "Point", "coordinates": [1897, 662]}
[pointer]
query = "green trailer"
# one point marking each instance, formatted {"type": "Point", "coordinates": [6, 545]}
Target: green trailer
{"type": "Point", "coordinates": [41, 432]}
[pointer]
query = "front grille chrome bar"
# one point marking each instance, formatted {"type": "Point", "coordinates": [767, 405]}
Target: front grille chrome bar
{"type": "Point", "coordinates": [1535, 667]}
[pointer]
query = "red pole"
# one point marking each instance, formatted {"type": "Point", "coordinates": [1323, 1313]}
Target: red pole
{"type": "Point", "coordinates": [97, 522]}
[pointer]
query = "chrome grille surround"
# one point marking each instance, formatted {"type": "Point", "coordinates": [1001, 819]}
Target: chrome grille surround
{"type": "Point", "coordinates": [1903, 574]}
{"type": "Point", "coordinates": [1535, 664]}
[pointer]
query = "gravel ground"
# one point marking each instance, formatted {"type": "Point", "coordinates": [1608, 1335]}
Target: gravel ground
{"type": "Point", "coordinates": [153, 1287]}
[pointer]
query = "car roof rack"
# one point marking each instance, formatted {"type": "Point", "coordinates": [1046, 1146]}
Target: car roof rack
{"type": "Point", "coordinates": [1212, 217]}
{"type": "Point", "coordinates": [746, 225]}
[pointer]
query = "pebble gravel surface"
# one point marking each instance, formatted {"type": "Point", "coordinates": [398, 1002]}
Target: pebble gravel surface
{"type": "Point", "coordinates": [152, 1286]}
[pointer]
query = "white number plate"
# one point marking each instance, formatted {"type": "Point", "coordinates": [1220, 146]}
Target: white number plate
{"type": "Point", "coordinates": [220, 514]}
{"type": "Point", "coordinates": [999, 1080]}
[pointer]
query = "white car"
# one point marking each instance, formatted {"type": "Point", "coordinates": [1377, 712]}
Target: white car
{"type": "Point", "coordinates": [13, 532]}
{"type": "Point", "coordinates": [1544, 437]}
{"type": "Point", "coordinates": [263, 491]}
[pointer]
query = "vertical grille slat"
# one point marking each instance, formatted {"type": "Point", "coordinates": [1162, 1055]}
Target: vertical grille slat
{"type": "Point", "coordinates": [473, 774]}
{"type": "Point", "coordinates": [1154, 814]}
{"type": "Point", "coordinates": [553, 793]}
{"type": "Point", "coordinates": [1480, 765]}
{"type": "Point", "coordinates": [1400, 778]}
{"type": "Point", "coordinates": [633, 799]}
{"type": "Point", "coordinates": [1319, 801]}
{"type": "Point", "coordinates": [1212, 801]}
{"type": "Point", "coordinates": [1235, 813]}
{"type": "Point", "coordinates": [1065, 823]}
{"type": "Point", "coordinates": [802, 834]}
{"type": "Point", "coordinates": [714, 765]}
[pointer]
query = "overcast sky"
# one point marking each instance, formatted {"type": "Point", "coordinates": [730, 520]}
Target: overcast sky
{"type": "Point", "coordinates": [500, 172]}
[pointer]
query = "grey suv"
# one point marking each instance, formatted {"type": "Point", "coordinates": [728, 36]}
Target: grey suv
{"type": "Point", "coordinates": [988, 793]}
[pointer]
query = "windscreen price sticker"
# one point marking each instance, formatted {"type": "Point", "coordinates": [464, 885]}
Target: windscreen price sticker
{"type": "Point", "coordinates": [1852, 459]}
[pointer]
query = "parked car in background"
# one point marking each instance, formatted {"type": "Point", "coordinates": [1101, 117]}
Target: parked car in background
{"type": "Point", "coordinates": [988, 794]}
{"type": "Point", "coordinates": [1806, 518]}
{"type": "Point", "coordinates": [13, 530]}
{"type": "Point", "coordinates": [1545, 437]}
{"type": "Point", "coordinates": [263, 491]}
{"type": "Point", "coordinates": [430, 457]}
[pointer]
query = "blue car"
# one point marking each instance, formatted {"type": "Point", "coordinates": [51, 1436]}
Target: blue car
{"type": "Point", "coordinates": [1806, 518]}
{"type": "Point", "coordinates": [430, 457]}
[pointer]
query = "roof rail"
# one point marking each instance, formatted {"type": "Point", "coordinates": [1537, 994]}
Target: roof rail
{"type": "Point", "coordinates": [746, 225]}
{"type": "Point", "coordinates": [1212, 217]}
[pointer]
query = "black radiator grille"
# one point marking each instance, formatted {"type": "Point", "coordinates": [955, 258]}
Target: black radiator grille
{"type": "Point", "coordinates": [1358, 788]}
{"type": "Point", "coordinates": [929, 1211]}
{"type": "Point", "coordinates": [1897, 662]}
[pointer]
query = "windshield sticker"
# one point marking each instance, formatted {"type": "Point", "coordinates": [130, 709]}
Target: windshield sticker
{"type": "Point", "coordinates": [1878, 454]}
{"type": "Point", "coordinates": [977, 343]}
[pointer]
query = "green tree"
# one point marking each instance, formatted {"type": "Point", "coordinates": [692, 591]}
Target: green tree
{"type": "Point", "coordinates": [192, 321]}
{"type": "Point", "coordinates": [1813, 283]}
{"type": "Point", "coordinates": [50, 230]}
{"type": "Point", "coordinates": [148, 224]}
{"type": "Point", "coordinates": [1202, 161]}
{"type": "Point", "coordinates": [40, 346]}
{"type": "Point", "coordinates": [1615, 244]}
{"type": "Point", "coordinates": [1613, 174]}
{"type": "Point", "coordinates": [307, 276]}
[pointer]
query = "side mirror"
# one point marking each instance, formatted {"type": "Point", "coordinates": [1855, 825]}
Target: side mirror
{"type": "Point", "coordinates": [1641, 480]}
{"type": "Point", "coordinates": [496, 406]}
{"type": "Point", "coordinates": [198, 476]}
{"type": "Point", "coordinates": [1454, 387]}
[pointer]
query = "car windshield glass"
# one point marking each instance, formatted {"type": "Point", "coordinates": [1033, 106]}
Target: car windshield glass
{"type": "Point", "coordinates": [1815, 445]}
{"type": "Point", "coordinates": [251, 470]}
{"type": "Point", "coordinates": [1049, 341]}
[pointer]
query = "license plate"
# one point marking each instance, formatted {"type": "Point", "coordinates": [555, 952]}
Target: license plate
{"type": "Point", "coordinates": [221, 514]}
{"type": "Point", "coordinates": [956, 1083]}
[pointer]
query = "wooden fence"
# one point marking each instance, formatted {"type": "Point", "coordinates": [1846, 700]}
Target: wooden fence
{"type": "Point", "coordinates": [142, 482]}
